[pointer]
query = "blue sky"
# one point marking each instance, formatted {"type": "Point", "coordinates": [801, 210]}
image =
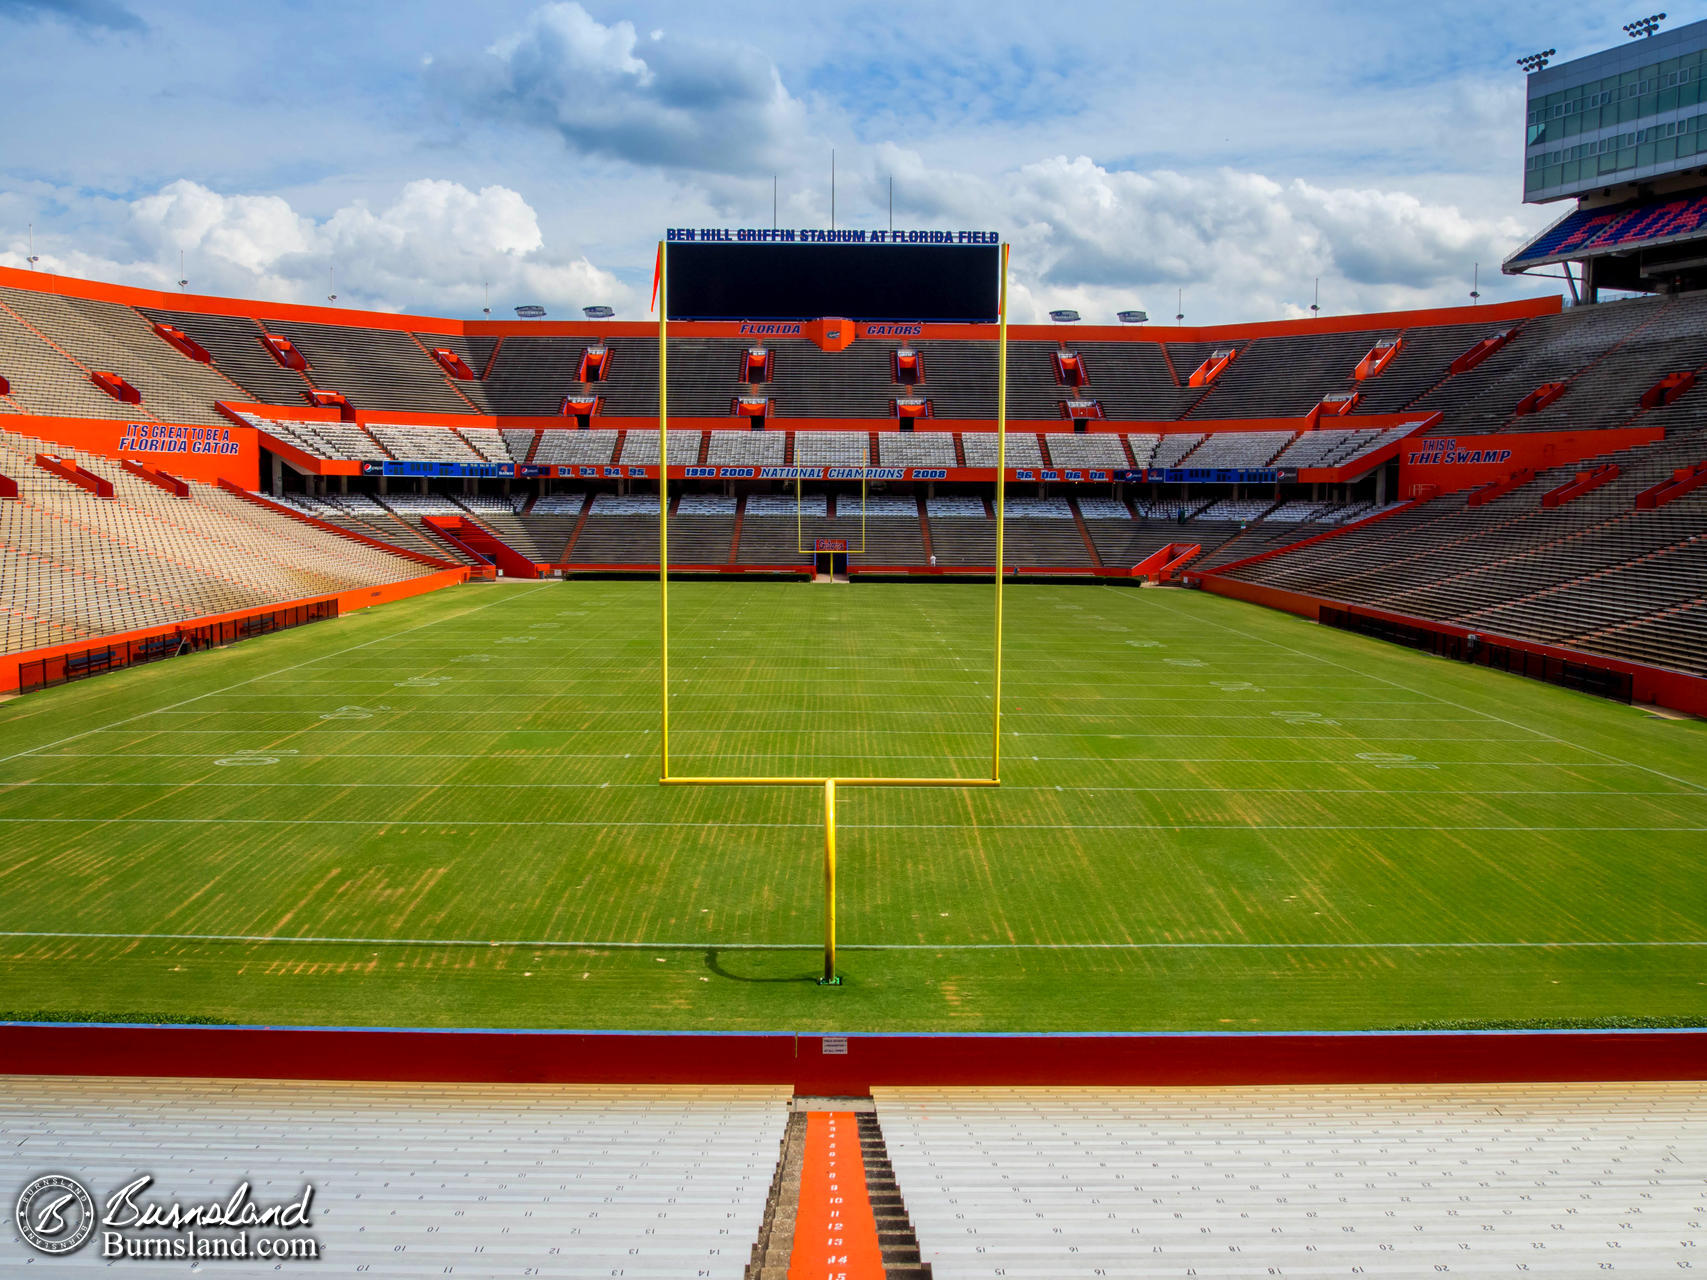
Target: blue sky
{"type": "Point", "coordinates": [419, 156]}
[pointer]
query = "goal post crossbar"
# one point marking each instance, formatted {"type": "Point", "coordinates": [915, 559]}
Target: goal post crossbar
{"type": "Point", "coordinates": [829, 784]}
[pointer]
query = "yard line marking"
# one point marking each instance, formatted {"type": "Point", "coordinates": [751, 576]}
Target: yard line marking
{"type": "Point", "coordinates": [814, 826]}
{"type": "Point", "coordinates": [241, 683]}
{"type": "Point", "coordinates": [583, 944]}
{"type": "Point", "coordinates": [251, 785]}
{"type": "Point", "coordinates": [1540, 733]}
{"type": "Point", "coordinates": [819, 755]}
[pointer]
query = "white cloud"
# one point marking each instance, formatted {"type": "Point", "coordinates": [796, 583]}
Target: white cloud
{"type": "Point", "coordinates": [688, 103]}
{"type": "Point", "coordinates": [1241, 245]}
{"type": "Point", "coordinates": [431, 248]}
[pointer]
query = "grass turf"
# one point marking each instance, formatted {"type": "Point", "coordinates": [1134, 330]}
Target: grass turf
{"type": "Point", "coordinates": [445, 812]}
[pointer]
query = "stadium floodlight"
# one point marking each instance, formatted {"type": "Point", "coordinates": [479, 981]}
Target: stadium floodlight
{"type": "Point", "coordinates": [32, 259]}
{"type": "Point", "coordinates": [598, 312]}
{"type": "Point", "coordinates": [1066, 316]}
{"type": "Point", "coordinates": [1536, 61]}
{"type": "Point", "coordinates": [1644, 26]}
{"type": "Point", "coordinates": [1132, 317]}
{"type": "Point", "coordinates": [531, 311]}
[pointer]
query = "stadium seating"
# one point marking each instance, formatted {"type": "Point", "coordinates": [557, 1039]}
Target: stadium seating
{"type": "Point", "coordinates": [1591, 574]}
{"type": "Point", "coordinates": [980, 448]}
{"type": "Point", "coordinates": [1396, 1180]}
{"type": "Point", "coordinates": [641, 448]}
{"type": "Point", "coordinates": [746, 449]}
{"type": "Point", "coordinates": [916, 449]}
{"type": "Point", "coordinates": [1088, 450]}
{"type": "Point", "coordinates": [579, 1180]}
{"type": "Point", "coordinates": [831, 448]}
{"type": "Point", "coordinates": [587, 448]}
{"type": "Point", "coordinates": [77, 565]}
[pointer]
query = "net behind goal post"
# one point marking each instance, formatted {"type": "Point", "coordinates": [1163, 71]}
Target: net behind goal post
{"type": "Point", "coordinates": [829, 784]}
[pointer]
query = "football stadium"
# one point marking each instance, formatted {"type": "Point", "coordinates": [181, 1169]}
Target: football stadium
{"type": "Point", "coordinates": [824, 779]}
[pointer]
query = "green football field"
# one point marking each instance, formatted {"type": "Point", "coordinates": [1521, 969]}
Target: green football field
{"type": "Point", "coordinates": [446, 812]}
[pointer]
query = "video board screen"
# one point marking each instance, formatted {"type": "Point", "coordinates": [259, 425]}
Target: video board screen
{"type": "Point", "coordinates": [871, 282]}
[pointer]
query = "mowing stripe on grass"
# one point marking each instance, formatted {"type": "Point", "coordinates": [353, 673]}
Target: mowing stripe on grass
{"type": "Point", "coordinates": [583, 944]}
{"type": "Point", "coordinates": [608, 824]}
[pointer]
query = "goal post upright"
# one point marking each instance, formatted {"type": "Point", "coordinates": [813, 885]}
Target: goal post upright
{"type": "Point", "coordinates": [829, 784]}
{"type": "Point", "coordinates": [1001, 506]}
{"type": "Point", "coordinates": [664, 510]}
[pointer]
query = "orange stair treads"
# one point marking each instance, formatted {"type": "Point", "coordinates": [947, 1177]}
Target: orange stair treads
{"type": "Point", "coordinates": [835, 1234]}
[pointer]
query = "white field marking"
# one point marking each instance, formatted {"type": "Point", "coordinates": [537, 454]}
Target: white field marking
{"type": "Point", "coordinates": [590, 945]}
{"type": "Point", "coordinates": [242, 683]}
{"type": "Point", "coordinates": [653, 786]}
{"type": "Point", "coordinates": [416, 822]}
{"type": "Point", "coordinates": [1448, 702]}
{"type": "Point", "coordinates": [817, 755]}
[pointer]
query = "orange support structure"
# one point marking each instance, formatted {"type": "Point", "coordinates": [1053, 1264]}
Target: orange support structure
{"type": "Point", "coordinates": [116, 387]}
{"type": "Point", "coordinates": [464, 534]}
{"type": "Point", "coordinates": [1585, 482]}
{"type": "Point", "coordinates": [453, 365]}
{"type": "Point", "coordinates": [1499, 488]}
{"type": "Point", "coordinates": [159, 479]}
{"type": "Point", "coordinates": [1160, 565]}
{"type": "Point", "coordinates": [74, 474]}
{"type": "Point", "coordinates": [1481, 351]}
{"type": "Point", "coordinates": [284, 351]}
{"type": "Point", "coordinates": [184, 343]}
{"type": "Point", "coordinates": [1379, 357]}
{"type": "Point", "coordinates": [1684, 480]}
{"type": "Point", "coordinates": [1667, 389]}
{"type": "Point", "coordinates": [1211, 368]}
{"type": "Point", "coordinates": [1538, 399]}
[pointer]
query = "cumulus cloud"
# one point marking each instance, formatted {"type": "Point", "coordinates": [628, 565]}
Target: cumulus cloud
{"type": "Point", "coordinates": [104, 14]}
{"type": "Point", "coordinates": [684, 103]}
{"type": "Point", "coordinates": [1241, 245]}
{"type": "Point", "coordinates": [432, 248]}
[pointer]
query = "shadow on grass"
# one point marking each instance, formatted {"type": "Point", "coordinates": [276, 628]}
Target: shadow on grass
{"type": "Point", "coordinates": [714, 964]}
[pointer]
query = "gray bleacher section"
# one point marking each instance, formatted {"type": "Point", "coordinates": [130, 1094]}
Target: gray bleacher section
{"type": "Point", "coordinates": [1393, 1180]}
{"type": "Point", "coordinates": [1609, 393]}
{"type": "Point", "coordinates": [111, 338]}
{"type": "Point", "coordinates": [476, 353]}
{"type": "Point", "coordinates": [916, 449]}
{"type": "Point", "coordinates": [372, 368]}
{"type": "Point", "coordinates": [960, 379]}
{"type": "Point", "coordinates": [1593, 574]}
{"type": "Point", "coordinates": [1285, 377]}
{"type": "Point", "coordinates": [45, 382]}
{"type": "Point", "coordinates": [1425, 354]}
{"type": "Point", "coordinates": [235, 344]}
{"type": "Point", "coordinates": [630, 390]}
{"type": "Point", "coordinates": [980, 448]}
{"type": "Point", "coordinates": [1131, 380]}
{"type": "Point", "coordinates": [532, 375]}
{"type": "Point", "coordinates": [809, 383]}
{"type": "Point", "coordinates": [423, 1180]}
{"type": "Point", "coordinates": [1551, 348]}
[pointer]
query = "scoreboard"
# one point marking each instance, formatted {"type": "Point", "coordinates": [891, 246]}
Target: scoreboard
{"type": "Point", "coordinates": [716, 280]}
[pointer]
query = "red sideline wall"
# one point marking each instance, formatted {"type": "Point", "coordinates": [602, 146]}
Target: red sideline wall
{"type": "Point", "coordinates": [348, 601]}
{"type": "Point", "coordinates": [1652, 685]}
{"type": "Point", "coordinates": [207, 454]}
{"type": "Point", "coordinates": [800, 1060]}
{"type": "Point", "coordinates": [1452, 463]}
